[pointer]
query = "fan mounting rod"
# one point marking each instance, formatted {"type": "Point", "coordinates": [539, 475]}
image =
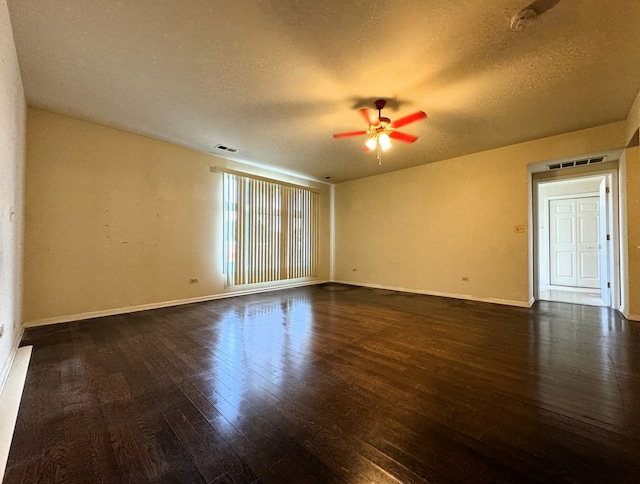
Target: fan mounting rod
{"type": "Point", "coordinates": [380, 104]}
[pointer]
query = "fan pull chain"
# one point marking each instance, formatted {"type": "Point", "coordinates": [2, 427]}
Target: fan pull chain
{"type": "Point", "coordinates": [379, 104]}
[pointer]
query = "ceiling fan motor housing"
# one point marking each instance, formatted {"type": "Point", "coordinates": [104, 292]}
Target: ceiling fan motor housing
{"type": "Point", "coordinates": [380, 104]}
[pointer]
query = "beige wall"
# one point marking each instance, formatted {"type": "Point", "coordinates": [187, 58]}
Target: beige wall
{"type": "Point", "coordinates": [117, 221]}
{"type": "Point", "coordinates": [12, 136]}
{"type": "Point", "coordinates": [633, 120]}
{"type": "Point", "coordinates": [632, 195]}
{"type": "Point", "coordinates": [633, 230]}
{"type": "Point", "coordinates": [423, 229]}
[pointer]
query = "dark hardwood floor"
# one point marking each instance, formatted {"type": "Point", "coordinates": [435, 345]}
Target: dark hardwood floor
{"type": "Point", "coordinates": [333, 384]}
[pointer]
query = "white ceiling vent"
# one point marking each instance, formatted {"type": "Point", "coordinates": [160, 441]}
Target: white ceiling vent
{"type": "Point", "coordinates": [572, 163]}
{"type": "Point", "coordinates": [226, 148]}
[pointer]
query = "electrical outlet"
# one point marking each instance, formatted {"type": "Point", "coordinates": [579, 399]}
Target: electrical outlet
{"type": "Point", "coordinates": [519, 229]}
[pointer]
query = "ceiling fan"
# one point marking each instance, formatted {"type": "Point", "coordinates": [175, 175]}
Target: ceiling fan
{"type": "Point", "coordinates": [382, 130]}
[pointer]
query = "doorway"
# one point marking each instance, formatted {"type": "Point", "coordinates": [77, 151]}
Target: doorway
{"type": "Point", "coordinates": [575, 257]}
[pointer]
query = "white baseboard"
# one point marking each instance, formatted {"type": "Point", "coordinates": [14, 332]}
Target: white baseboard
{"type": "Point", "coordinates": [10, 401]}
{"type": "Point", "coordinates": [163, 304]}
{"type": "Point", "coordinates": [466, 297]}
{"type": "Point", "coordinates": [4, 372]}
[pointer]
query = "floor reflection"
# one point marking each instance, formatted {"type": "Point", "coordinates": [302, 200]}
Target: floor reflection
{"type": "Point", "coordinates": [568, 363]}
{"type": "Point", "coordinates": [259, 349]}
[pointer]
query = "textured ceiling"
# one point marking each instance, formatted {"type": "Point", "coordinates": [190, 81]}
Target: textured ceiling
{"type": "Point", "coordinates": [276, 78]}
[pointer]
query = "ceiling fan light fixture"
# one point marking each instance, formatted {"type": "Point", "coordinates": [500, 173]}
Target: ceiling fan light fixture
{"type": "Point", "coordinates": [371, 142]}
{"type": "Point", "coordinates": [384, 141]}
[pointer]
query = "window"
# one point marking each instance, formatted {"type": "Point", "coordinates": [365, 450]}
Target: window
{"type": "Point", "coordinates": [271, 230]}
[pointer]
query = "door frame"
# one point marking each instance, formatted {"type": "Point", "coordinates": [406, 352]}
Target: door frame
{"type": "Point", "coordinates": [612, 246]}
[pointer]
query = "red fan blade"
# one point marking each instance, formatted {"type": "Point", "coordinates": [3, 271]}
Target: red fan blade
{"type": "Point", "coordinates": [366, 114]}
{"type": "Point", "coordinates": [408, 119]}
{"type": "Point", "coordinates": [407, 138]}
{"type": "Point", "coordinates": [365, 148]}
{"type": "Point", "coordinates": [351, 133]}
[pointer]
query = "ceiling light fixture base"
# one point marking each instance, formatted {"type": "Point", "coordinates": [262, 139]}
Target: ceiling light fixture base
{"type": "Point", "coordinates": [522, 19]}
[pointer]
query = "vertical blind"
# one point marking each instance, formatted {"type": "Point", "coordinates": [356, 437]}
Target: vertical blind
{"type": "Point", "coordinates": [271, 230]}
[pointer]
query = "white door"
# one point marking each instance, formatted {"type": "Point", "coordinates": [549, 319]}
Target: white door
{"type": "Point", "coordinates": [575, 249]}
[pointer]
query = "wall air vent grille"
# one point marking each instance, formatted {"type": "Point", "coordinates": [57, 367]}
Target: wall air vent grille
{"type": "Point", "coordinates": [226, 148]}
{"type": "Point", "coordinates": [571, 164]}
